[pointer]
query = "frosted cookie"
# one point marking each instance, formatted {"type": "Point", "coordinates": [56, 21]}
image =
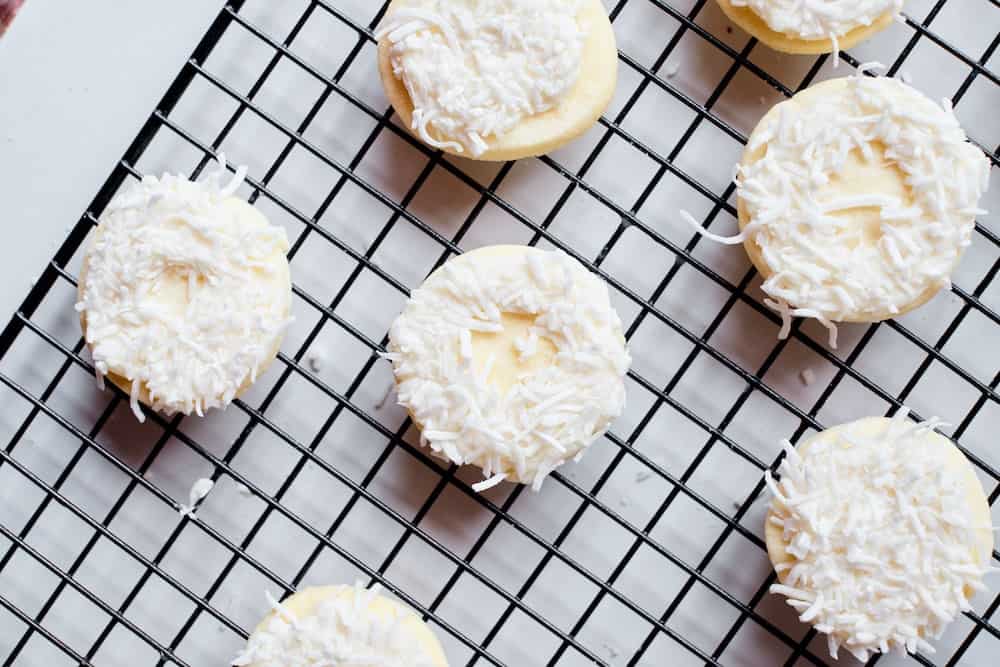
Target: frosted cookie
{"type": "Point", "coordinates": [856, 199]}
{"type": "Point", "coordinates": [879, 532]}
{"type": "Point", "coordinates": [512, 359]}
{"type": "Point", "coordinates": [819, 26]}
{"type": "Point", "coordinates": [498, 79]}
{"type": "Point", "coordinates": [184, 293]}
{"type": "Point", "coordinates": [341, 625]}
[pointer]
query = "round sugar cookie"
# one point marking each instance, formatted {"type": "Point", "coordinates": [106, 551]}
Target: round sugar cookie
{"type": "Point", "coordinates": [856, 200]}
{"type": "Point", "coordinates": [880, 532]}
{"type": "Point", "coordinates": [184, 293]}
{"type": "Point", "coordinates": [795, 27]}
{"type": "Point", "coordinates": [336, 625]}
{"type": "Point", "coordinates": [512, 359]}
{"type": "Point", "coordinates": [498, 80]}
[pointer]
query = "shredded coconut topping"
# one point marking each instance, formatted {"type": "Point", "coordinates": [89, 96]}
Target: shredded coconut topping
{"type": "Point", "coordinates": [883, 542]}
{"type": "Point", "coordinates": [344, 630]}
{"type": "Point", "coordinates": [818, 19]}
{"type": "Point", "coordinates": [474, 68]}
{"type": "Point", "coordinates": [182, 295]}
{"type": "Point", "coordinates": [546, 418]}
{"type": "Point", "coordinates": [824, 266]}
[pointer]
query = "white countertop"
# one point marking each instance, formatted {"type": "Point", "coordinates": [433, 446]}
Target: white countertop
{"type": "Point", "coordinates": [77, 80]}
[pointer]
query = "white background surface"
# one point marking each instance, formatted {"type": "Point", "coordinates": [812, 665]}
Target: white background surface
{"type": "Point", "coordinates": [77, 80]}
{"type": "Point", "coordinates": [61, 160]}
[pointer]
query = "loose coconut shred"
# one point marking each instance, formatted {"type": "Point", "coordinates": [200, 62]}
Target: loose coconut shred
{"type": "Point", "coordinates": [199, 357]}
{"type": "Point", "coordinates": [343, 630]}
{"type": "Point", "coordinates": [474, 68]}
{"type": "Point", "coordinates": [883, 545]}
{"type": "Point", "coordinates": [548, 417]}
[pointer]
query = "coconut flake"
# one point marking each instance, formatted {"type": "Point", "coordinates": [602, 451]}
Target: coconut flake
{"type": "Point", "coordinates": [199, 490]}
{"type": "Point", "coordinates": [487, 484]}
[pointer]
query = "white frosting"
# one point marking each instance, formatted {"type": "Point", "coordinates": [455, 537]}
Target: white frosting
{"type": "Point", "coordinates": [822, 266]}
{"type": "Point", "coordinates": [819, 19]}
{"type": "Point", "coordinates": [549, 416]}
{"type": "Point", "coordinates": [343, 630]}
{"type": "Point", "coordinates": [884, 543]}
{"type": "Point", "coordinates": [184, 296]}
{"type": "Point", "coordinates": [475, 68]}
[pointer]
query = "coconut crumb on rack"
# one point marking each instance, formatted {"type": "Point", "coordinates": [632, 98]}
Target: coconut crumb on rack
{"type": "Point", "coordinates": [199, 491]}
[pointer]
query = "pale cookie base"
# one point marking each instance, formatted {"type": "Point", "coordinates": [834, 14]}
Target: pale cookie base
{"type": "Point", "coordinates": [175, 289]}
{"type": "Point", "coordinates": [304, 604]}
{"type": "Point", "coordinates": [857, 178]}
{"type": "Point", "coordinates": [544, 132]}
{"type": "Point", "coordinates": [747, 19]}
{"type": "Point", "coordinates": [978, 504]}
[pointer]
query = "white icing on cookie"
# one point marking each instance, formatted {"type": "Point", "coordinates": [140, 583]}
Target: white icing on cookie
{"type": "Point", "coordinates": [818, 19]}
{"type": "Point", "coordinates": [184, 293]}
{"type": "Point", "coordinates": [549, 415]}
{"type": "Point", "coordinates": [353, 627]}
{"type": "Point", "coordinates": [474, 68]}
{"type": "Point", "coordinates": [881, 533]}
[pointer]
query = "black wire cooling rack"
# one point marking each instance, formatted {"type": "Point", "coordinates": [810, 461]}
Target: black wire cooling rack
{"type": "Point", "coordinates": [649, 552]}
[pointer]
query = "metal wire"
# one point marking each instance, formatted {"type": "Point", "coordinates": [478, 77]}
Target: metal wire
{"type": "Point", "coordinates": [587, 498]}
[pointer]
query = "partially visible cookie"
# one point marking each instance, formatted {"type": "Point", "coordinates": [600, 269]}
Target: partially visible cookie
{"type": "Point", "coordinates": [341, 625]}
{"type": "Point", "coordinates": [794, 26]}
{"type": "Point", "coordinates": [879, 531]}
{"type": "Point", "coordinates": [498, 80]}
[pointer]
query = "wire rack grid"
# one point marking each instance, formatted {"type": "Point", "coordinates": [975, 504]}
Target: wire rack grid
{"type": "Point", "coordinates": [649, 551]}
